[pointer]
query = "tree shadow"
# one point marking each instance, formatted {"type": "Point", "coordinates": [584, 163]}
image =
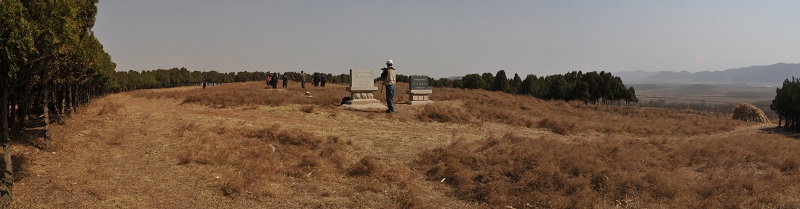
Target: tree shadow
{"type": "Point", "coordinates": [781, 130]}
{"type": "Point", "coordinates": [33, 134]}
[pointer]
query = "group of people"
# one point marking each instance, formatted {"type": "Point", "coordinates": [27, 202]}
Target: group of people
{"type": "Point", "coordinates": [319, 79]}
{"type": "Point", "coordinates": [388, 75]}
{"type": "Point", "coordinates": [272, 80]}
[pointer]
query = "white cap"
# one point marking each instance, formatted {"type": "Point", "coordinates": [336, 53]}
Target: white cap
{"type": "Point", "coordinates": [389, 62]}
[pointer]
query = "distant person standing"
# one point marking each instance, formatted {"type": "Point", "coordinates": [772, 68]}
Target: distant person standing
{"type": "Point", "coordinates": [204, 83]}
{"type": "Point", "coordinates": [315, 79]}
{"type": "Point", "coordinates": [274, 80]}
{"type": "Point", "coordinates": [389, 81]}
{"type": "Point", "coordinates": [285, 80]}
{"type": "Point", "coordinates": [302, 79]}
{"type": "Point", "coordinates": [269, 79]}
{"type": "Point", "coordinates": [322, 80]}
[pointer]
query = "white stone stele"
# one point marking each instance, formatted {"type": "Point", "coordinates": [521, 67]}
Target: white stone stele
{"type": "Point", "coordinates": [362, 88]}
{"type": "Point", "coordinates": [419, 97]}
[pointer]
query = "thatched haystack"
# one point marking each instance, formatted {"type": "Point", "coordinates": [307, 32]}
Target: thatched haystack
{"type": "Point", "coordinates": [748, 112]}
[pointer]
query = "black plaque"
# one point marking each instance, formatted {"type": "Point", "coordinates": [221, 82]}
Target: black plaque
{"type": "Point", "coordinates": [418, 83]}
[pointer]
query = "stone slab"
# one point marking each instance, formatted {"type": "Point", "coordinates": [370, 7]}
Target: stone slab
{"type": "Point", "coordinates": [362, 79]}
{"type": "Point", "coordinates": [420, 91]}
{"type": "Point", "coordinates": [362, 89]}
{"type": "Point", "coordinates": [420, 102]}
{"type": "Point", "coordinates": [418, 82]}
{"type": "Point", "coordinates": [363, 102]}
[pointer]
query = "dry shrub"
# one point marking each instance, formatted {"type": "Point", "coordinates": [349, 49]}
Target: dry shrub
{"type": "Point", "coordinates": [444, 113]}
{"type": "Point", "coordinates": [558, 127]}
{"type": "Point", "coordinates": [748, 171]}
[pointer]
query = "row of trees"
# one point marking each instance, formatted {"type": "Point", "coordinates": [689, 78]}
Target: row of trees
{"type": "Point", "coordinates": [161, 78]}
{"type": "Point", "coordinates": [50, 62]}
{"type": "Point", "coordinates": [591, 87]}
{"type": "Point", "coordinates": [787, 104]}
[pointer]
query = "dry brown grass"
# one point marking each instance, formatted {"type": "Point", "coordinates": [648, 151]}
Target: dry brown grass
{"type": "Point", "coordinates": [250, 153]}
{"type": "Point", "coordinates": [471, 148]}
{"type": "Point", "coordinates": [445, 112]}
{"type": "Point", "coordinates": [582, 118]}
{"type": "Point", "coordinates": [737, 172]}
{"type": "Point", "coordinates": [251, 93]}
{"type": "Point", "coordinates": [110, 108]}
{"type": "Point", "coordinates": [476, 106]}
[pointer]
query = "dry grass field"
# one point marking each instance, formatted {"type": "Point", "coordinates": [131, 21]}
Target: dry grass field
{"type": "Point", "coordinates": [242, 146]}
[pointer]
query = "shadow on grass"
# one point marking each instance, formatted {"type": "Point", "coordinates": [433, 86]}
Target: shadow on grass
{"type": "Point", "coordinates": [781, 130]}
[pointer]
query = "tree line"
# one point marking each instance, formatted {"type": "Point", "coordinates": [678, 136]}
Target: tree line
{"type": "Point", "coordinates": [50, 62]}
{"type": "Point", "coordinates": [165, 78]}
{"type": "Point", "coordinates": [787, 104]}
{"type": "Point", "coordinates": [588, 87]}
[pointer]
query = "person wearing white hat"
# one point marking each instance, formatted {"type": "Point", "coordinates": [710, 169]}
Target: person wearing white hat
{"type": "Point", "coordinates": [389, 80]}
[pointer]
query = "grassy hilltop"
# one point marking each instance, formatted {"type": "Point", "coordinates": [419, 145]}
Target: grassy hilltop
{"type": "Point", "coordinates": [242, 146]}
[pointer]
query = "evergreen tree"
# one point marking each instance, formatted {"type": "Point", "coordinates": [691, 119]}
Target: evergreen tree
{"type": "Point", "coordinates": [500, 82]}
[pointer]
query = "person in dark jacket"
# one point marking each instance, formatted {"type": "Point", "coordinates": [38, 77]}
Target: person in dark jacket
{"type": "Point", "coordinates": [322, 80]}
{"type": "Point", "coordinates": [315, 79]}
{"type": "Point", "coordinates": [274, 80]}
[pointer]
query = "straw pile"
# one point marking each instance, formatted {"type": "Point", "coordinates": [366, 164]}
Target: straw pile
{"type": "Point", "coordinates": [748, 112]}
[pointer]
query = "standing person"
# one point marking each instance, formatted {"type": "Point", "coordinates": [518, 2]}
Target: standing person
{"type": "Point", "coordinates": [315, 79]}
{"type": "Point", "coordinates": [268, 80]}
{"type": "Point", "coordinates": [389, 81]}
{"type": "Point", "coordinates": [285, 80]}
{"type": "Point", "coordinates": [322, 80]}
{"type": "Point", "coordinates": [204, 83]}
{"type": "Point", "coordinates": [302, 79]}
{"type": "Point", "coordinates": [274, 80]}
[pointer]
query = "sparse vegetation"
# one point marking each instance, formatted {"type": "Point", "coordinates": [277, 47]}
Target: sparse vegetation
{"type": "Point", "coordinates": [619, 172]}
{"type": "Point", "coordinates": [240, 146]}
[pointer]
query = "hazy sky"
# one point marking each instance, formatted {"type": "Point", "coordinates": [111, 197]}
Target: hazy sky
{"type": "Point", "coordinates": [448, 37]}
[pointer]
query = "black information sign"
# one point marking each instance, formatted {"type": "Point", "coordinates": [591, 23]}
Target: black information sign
{"type": "Point", "coordinates": [418, 82]}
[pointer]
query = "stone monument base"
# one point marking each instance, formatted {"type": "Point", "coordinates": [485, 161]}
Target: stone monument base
{"type": "Point", "coordinates": [419, 97]}
{"type": "Point", "coordinates": [363, 102]}
{"type": "Point", "coordinates": [362, 96]}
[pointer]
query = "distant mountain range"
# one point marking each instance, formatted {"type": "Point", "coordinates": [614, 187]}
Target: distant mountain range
{"type": "Point", "coordinates": [755, 75]}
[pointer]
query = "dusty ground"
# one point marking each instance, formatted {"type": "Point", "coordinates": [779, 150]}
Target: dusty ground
{"type": "Point", "coordinates": [129, 158]}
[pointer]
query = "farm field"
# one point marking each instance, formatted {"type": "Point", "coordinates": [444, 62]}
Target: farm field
{"type": "Point", "coordinates": [719, 98]}
{"type": "Point", "coordinates": [242, 146]}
